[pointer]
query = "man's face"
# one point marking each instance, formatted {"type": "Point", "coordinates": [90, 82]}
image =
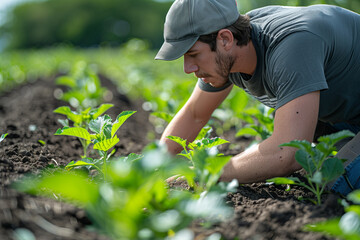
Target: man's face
{"type": "Point", "coordinates": [212, 67]}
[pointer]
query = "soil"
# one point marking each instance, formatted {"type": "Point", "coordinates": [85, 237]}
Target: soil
{"type": "Point", "coordinates": [261, 211]}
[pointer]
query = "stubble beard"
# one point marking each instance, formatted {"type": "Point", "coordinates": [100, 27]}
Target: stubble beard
{"type": "Point", "coordinates": [224, 64]}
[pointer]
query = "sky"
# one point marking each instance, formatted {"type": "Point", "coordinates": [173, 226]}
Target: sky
{"type": "Point", "coordinates": [5, 5]}
{"type": "Point", "coordinates": [8, 3]}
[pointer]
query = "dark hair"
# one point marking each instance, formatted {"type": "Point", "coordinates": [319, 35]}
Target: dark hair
{"type": "Point", "coordinates": [241, 29]}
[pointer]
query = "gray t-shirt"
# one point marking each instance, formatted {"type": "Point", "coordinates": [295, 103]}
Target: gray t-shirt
{"type": "Point", "coordinates": [301, 50]}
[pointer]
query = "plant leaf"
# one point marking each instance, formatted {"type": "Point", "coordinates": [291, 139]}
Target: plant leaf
{"type": "Point", "coordinates": [335, 137]}
{"type": "Point", "coordinates": [284, 180]}
{"type": "Point", "coordinates": [332, 168]}
{"type": "Point", "coordinates": [3, 136]}
{"type": "Point", "coordinates": [210, 142]}
{"type": "Point", "coordinates": [95, 113]}
{"type": "Point", "coordinates": [70, 186]}
{"type": "Point", "coordinates": [75, 132]}
{"type": "Point", "coordinates": [317, 177]}
{"type": "Point", "coordinates": [133, 157]}
{"type": "Point", "coordinates": [246, 131]}
{"type": "Point", "coordinates": [178, 140]}
{"type": "Point", "coordinates": [120, 119]}
{"type": "Point", "coordinates": [106, 144]}
{"type": "Point", "coordinates": [215, 164]}
{"type": "Point", "coordinates": [353, 208]}
{"type": "Point", "coordinates": [66, 81]}
{"type": "Point", "coordinates": [98, 125]}
{"type": "Point", "coordinates": [303, 144]}
{"type": "Point", "coordinates": [350, 223]}
{"type": "Point", "coordinates": [331, 227]}
{"type": "Point", "coordinates": [304, 159]}
{"type": "Point", "coordinates": [78, 163]}
{"type": "Point", "coordinates": [204, 131]}
{"type": "Point", "coordinates": [354, 196]}
{"type": "Point", "coordinates": [239, 101]}
{"type": "Point", "coordinates": [199, 159]}
{"type": "Point", "coordinates": [65, 110]}
{"type": "Point", "coordinates": [64, 122]}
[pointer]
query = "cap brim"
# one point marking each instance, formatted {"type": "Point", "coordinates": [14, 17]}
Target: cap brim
{"type": "Point", "coordinates": [174, 50]}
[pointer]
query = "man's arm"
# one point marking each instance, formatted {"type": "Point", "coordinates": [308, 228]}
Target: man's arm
{"type": "Point", "coordinates": [193, 116]}
{"type": "Point", "coordinates": [296, 120]}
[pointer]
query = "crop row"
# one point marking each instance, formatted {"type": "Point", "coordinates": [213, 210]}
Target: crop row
{"type": "Point", "coordinates": [135, 185]}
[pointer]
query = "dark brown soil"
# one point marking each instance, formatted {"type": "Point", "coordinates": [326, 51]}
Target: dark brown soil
{"type": "Point", "coordinates": [261, 211]}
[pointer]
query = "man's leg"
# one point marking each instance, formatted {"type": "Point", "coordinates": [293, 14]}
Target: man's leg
{"type": "Point", "coordinates": [350, 180]}
{"type": "Point", "coordinates": [349, 149]}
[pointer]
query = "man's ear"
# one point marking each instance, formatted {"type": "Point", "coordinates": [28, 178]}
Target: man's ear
{"type": "Point", "coordinates": [225, 39]}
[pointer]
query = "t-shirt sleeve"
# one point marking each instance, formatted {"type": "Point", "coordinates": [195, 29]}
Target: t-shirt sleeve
{"type": "Point", "coordinates": [297, 67]}
{"type": "Point", "coordinates": [208, 88]}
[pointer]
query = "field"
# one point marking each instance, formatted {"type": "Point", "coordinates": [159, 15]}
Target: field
{"type": "Point", "coordinates": [261, 211]}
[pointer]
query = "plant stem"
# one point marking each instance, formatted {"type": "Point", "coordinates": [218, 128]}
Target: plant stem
{"type": "Point", "coordinates": [104, 164]}
{"type": "Point", "coordinates": [85, 146]}
{"type": "Point", "coordinates": [318, 194]}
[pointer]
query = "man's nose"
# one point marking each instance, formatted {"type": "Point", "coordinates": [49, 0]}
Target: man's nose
{"type": "Point", "coordinates": [189, 66]}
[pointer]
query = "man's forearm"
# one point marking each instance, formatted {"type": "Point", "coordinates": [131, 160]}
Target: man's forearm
{"type": "Point", "coordinates": [261, 162]}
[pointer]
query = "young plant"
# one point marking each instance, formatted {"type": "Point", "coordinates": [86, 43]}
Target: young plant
{"type": "Point", "coordinates": [84, 87]}
{"type": "Point", "coordinates": [260, 122]}
{"type": "Point", "coordinates": [103, 137]}
{"type": "Point", "coordinates": [207, 164]}
{"type": "Point", "coordinates": [81, 119]}
{"type": "Point", "coordinates": [3, 136]}
{"type": "Point", "coordinates": [346, 227]}
{"type": "Point", "coordinates": [134, 203]}
{"type": "Point", "coordinates": [318, 161]}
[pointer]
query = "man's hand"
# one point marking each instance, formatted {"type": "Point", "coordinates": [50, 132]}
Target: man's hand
{"type": "Point", "coordinates": [197, 111]}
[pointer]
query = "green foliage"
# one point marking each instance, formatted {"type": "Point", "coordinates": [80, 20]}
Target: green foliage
{"type": "Point", "coordinates": [134, 202]}
{"type": "Point", "coordinates": [346, 227]}
{"type": "Point", "coordinates": [320, 165]}
{"type": "Point", "coordinates": [103, 139]}
{"type": "Point", "coordinates": [84, 87]}
{"type": "Point", "coordinates": [247, 116]}
{"type": "Point", "coordinates": [260, 122]}
{"type": "Point", "coordinates": [84, 94]}
{"type": "Point", "coordinates": [3, 136]}
{"type": "Point", "coordinates": [132, 68]}
{"type": "Point", "coordinates": [85, 23]}
{"type": "Point", "coordinates": [81, 121]}
{"type": "Point", "coordinates": [207, 164]}
{"type": "Point", "coordinates": [82, 118]}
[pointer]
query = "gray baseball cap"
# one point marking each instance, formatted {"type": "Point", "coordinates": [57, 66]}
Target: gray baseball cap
{"type": "Point", "coordinates": [187, 20]}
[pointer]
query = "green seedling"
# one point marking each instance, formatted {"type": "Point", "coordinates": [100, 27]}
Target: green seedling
{"type": "Point", "coordinates": [207, 164]}
{"type": "Point", "coordinates": [42, 142]}
{"type": "Point", "coordinates": [260, 122]}
{"type": "Point", "coordinates": [84, 87]}
{"type": "Point", "coordinates": [103, 138]}
{"type": "Point", "coordinates": [135, 202]}
{"type": "Point", "coordinates": [318, 161]}
{"type": "Point", "coordinates": [346, 227]}
{"type": "Point", "coordinates": [3, 136]}
{"type": "Point", "coordinates": [202, 141]}
{"type": "Point", "coordinates": [81, 119]}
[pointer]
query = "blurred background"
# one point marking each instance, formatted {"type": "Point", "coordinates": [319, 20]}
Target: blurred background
{"type": "Point", "coordinates": [92, 23]}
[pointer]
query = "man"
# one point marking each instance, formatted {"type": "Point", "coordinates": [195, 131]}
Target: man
{"type": "Point", "coordinates": [302, 61]}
